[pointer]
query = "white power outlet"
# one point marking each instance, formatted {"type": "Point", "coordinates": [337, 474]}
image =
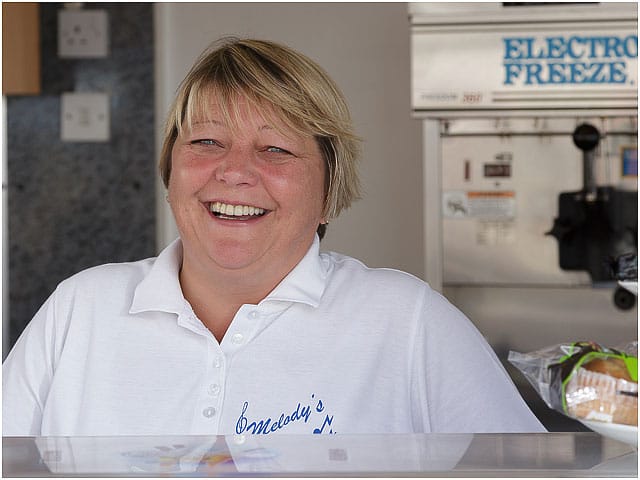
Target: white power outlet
{"type": "Point", "coordinates": [83, 33]}
{"type": "Point", "coordinates": [85, 117]}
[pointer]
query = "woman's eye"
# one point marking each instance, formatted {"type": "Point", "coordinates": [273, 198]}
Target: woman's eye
{"type": "Point", "coordinates": [204, 141]}
{"type": "Point", "coordinates": [277, 150]}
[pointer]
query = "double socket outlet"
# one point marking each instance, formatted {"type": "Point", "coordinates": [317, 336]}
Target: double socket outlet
{"type": "Point", "coordinates": [83, 33]}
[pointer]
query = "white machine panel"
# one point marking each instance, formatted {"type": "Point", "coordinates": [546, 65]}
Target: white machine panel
{"type": "Point", "coordinates": [500, 195]}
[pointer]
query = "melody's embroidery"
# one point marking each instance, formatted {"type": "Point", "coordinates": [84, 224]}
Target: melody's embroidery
{"type": "Point", "coordinates": [301, 413]}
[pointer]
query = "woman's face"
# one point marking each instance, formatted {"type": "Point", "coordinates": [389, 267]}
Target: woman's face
{"type": "Point", "coordinates": [245, 198]}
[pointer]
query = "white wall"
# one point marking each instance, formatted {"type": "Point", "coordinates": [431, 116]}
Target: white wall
{"type": "Point", "coordinates": [365, 48]}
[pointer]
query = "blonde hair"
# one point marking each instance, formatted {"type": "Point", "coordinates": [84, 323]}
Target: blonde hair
{"type": "Point", "coordinates": [277, 81]}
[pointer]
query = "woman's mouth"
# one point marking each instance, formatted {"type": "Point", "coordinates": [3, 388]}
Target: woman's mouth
{"type": "Point", "coordinates": [227, 211]}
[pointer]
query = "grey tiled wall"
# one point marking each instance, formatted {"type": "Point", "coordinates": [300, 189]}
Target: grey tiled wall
{"type": "Point", "coordinates": [76, 205]}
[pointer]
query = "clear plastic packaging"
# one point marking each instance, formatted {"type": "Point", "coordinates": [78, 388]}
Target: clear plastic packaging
{"type": "Point", "coordinates": [584, 380]}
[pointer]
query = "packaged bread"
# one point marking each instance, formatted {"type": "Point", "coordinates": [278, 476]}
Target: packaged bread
{"type": "Point", "coordinates": [602, 389]}
{"type": "Point", "coordinates": [585, 380]}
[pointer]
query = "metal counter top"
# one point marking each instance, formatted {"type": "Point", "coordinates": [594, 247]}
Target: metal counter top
{"type": "Point", "coordinates": [576, 454]}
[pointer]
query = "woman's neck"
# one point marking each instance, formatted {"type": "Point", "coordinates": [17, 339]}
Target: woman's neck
{"type": "Point", "coordinates": [216, 295]}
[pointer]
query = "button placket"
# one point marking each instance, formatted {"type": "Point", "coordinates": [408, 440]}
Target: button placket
{"type": "Point", "coordinates": [210, 404]}
{"type": "Point", "coordinates": [241, 329]}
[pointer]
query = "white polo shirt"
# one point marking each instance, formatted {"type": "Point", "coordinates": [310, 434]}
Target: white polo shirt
{"type": "Point", "coordinates": [336, 347]}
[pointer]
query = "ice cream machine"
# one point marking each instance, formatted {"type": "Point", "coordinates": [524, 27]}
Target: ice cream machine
{"type": "Point", "coordinates": [529, 119]}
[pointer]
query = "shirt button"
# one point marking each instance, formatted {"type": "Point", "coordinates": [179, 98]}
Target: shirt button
{"type": "Point", "coordinates": [209, 412]}
{"type": "Point", "coordinates": [237, 338]}
{"type": "Point", "coordinates": [217, 362]}
{"type": "Point", "coordinates": [253, 314]}
{"type": "Point", "coordinates": [214, 390]}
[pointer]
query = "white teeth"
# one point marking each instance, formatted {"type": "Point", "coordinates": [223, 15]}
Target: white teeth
{"type": "Point", "coordinates": [235, 210]}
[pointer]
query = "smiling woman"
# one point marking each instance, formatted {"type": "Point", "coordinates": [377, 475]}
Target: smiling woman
{"type": "Point", "coordinates": [242, 325]}
{"type": "Point", "coordinates": [269, 169]}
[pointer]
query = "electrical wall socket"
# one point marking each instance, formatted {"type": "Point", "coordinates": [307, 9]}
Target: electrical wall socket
{"type": "Point", "coordinates": [83, 33]}
{"type": "Point", "coordinates": [85, 117]}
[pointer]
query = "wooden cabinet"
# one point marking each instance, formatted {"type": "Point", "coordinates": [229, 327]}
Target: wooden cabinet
{"type": "Point", "coordinates": [20, 49]}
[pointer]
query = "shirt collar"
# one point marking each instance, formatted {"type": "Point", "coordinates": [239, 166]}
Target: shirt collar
{"type": "Point", "coordinates": [306, 282]}
{"type": "Point", "coordinates": [160, 289]}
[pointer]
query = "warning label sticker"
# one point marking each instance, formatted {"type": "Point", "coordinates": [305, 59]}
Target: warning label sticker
{"type": "Point", "coordinates": [479, 204]}
{"type": "Point", "coordinates": [492, 204]}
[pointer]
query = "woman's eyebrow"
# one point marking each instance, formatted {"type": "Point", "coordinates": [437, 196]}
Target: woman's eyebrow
{"type": "Point", "coordinates": [204, 122]}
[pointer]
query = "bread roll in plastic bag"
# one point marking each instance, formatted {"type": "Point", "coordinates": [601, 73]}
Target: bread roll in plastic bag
{"type": "Point", "coordinates": [585, 380]}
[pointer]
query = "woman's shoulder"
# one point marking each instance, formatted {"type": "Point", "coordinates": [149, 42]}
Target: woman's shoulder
{"type": "Point", "coordinates": [108, 276]}
{"type": "Point", "coordinates": [349, 269]}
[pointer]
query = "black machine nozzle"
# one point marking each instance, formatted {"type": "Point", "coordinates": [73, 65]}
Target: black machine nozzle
{"type": "Point", "coordinates": [586, 137]}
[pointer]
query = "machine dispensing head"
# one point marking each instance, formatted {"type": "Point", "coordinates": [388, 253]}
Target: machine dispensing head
{"type": "Point", "coordinates": [596, 223]}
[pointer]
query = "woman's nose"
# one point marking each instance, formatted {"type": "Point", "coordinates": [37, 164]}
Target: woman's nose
{"type": "Point", "coordinates": [236, 168]}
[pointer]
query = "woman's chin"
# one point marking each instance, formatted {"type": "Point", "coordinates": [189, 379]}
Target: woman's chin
{"type": "Point", "coordinates": [235, 257]}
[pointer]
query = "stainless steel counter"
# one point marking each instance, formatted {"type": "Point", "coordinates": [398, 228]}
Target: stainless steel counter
{"type": "Point", "coordinates": [577, 454]}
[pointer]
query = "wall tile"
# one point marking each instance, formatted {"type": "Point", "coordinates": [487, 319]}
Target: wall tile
{"type": "Point", "coordinates": [76, 205]}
